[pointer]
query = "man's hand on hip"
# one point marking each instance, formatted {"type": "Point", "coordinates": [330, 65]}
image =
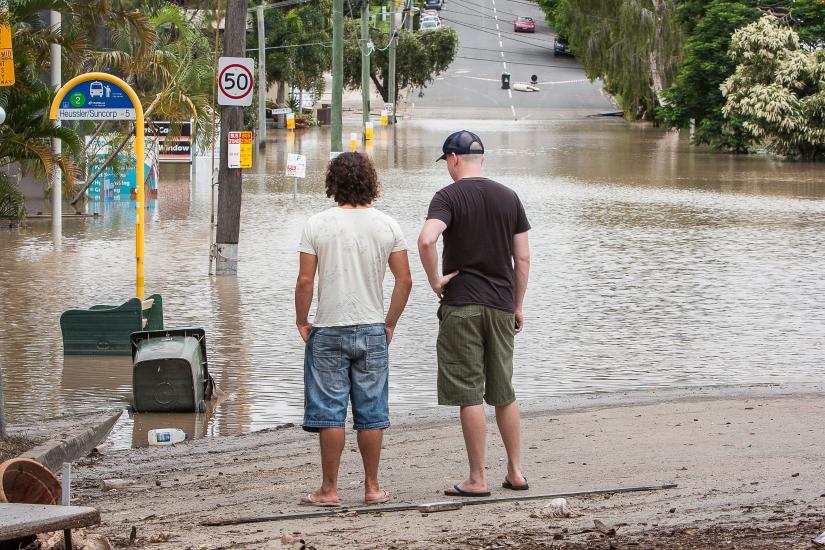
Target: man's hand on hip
{"type": "Point", "coordinates": [390, 330]}
{"type": "Point", "coordinates": [519, 322]}
{"type": "Point", "coordinates": [304, 329]}
{"type": "Point", "coordinates": [438, 286]}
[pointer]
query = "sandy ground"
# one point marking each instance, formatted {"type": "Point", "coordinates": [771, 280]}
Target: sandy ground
{"type": "Point", "coordinates": [747, 461]}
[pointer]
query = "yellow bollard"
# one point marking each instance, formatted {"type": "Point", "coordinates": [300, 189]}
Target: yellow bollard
{"type": "Point", "coordinates": [384, 118]}
{"type": "Point", "coordinates": [353, 141]}
{"type": "Point", "coordinates": [369, 132]}
{"type": "Point", "coordinates": [290, 121]}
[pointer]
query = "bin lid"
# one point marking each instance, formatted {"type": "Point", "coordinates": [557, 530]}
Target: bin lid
{"type": "Point", "coordinates": [175, 337]}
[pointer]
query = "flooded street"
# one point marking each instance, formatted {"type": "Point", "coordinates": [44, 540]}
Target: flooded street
{"type": "Point", "coordinates": [655, 264]}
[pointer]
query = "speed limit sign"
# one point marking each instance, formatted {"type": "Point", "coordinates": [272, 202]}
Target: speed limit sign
{"type": "Point", "coordinates": [235, 81]}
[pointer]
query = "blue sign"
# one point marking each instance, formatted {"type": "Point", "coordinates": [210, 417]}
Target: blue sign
{"type": "Point", "coordinates": [96, 100]}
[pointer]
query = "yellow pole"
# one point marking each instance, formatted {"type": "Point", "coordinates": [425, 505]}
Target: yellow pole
{"type": "Point", "coordinates": [139, 160]}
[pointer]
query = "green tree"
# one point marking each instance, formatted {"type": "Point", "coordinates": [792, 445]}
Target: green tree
{"type": "Point", "coordinates": [419, 57]}
{"type": "Point", "coordinates": [634, 46]}
{"type": "Point", "coordinates": [708, 25]}
{"type": "Point", "coordinates": [695, 94]}
{"type": "Point", "coordinates": [778, 89]}
{"type": "Point", "coordinates": [298, 42]}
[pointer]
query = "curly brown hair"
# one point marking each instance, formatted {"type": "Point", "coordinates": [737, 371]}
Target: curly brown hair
{"type": "Point", "coordinates": [351, 179]}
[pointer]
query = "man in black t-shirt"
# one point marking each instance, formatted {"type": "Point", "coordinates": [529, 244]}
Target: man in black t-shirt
{"type": "Point", "coordinates": [486, 262]}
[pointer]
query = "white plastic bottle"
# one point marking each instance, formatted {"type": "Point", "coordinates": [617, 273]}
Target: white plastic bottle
{"type": "Point", "coordinates": [167, 436]}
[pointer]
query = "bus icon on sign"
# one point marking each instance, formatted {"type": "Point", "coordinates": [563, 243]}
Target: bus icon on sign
{"type": "Point", "coordinates": [96, 89]}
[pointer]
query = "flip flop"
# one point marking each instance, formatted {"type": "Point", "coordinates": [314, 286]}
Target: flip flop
{"type": "Point", "coordinates": [459, 492]}
{"type": "Point", "coordinates": [508, 485]}
{"type": "Point", "coordinates": [308, 500]}
{"type": "Point", "coordinates": [385, 497]}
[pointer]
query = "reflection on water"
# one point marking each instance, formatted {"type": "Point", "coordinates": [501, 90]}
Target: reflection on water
{"type": "Point", "coordinates": [654, 264]}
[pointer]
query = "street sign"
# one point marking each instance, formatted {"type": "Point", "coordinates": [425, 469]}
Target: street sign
{"type": "Point", "coordinates": [239, 150]}
{"type": "Point", "coordinates": [96, 99]}
{"type": "Point", "coordinates": [284, 111]}
{"type": "Point", "coordinates": [246, 149]}
{"type": "Point", "coordinates": [235, 81]}
{"type": "Point", "coordinates": [296, 166]}
{"type": "Point", "coordinates": [6, 55]}
{"type": "Point", "coordinates": [101, 96]}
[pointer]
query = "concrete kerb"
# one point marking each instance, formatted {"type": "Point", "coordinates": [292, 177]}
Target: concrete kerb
{"type": "Point", "coordinates": [74, 443]}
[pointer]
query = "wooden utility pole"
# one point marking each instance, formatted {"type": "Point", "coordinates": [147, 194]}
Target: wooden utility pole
{"type": "Point", "coordinates": [337, 73]}
{"type": "Point", "coordinates": [365, 62]}
{"type": "Point", "coordinates": [393, 40]}
{"type": "Point", "coordinates": [229, 180]}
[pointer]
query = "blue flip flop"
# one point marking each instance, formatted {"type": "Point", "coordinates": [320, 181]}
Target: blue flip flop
{"type": "Point", "coordinates": [459, 492]}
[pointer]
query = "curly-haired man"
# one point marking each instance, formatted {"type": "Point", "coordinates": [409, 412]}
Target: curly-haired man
{"type": "Point", "coordinates": [346, 358]}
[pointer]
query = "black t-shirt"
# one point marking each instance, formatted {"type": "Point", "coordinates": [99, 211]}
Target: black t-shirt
{"type": "Point", "coordinates": [481, 216]}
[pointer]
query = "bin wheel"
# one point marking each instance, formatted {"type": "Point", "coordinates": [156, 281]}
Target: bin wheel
{"type": "Point", "coordinates": [202, 406]}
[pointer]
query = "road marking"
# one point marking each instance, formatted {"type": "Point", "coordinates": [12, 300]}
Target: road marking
{"type": "Point", "coordinates": [505, 65]}
{"type": "Point", "coordinates": [498, 28]}
{"type": "Point", "coordinates": [500, 44]}
{"type": "Point", "coordinates": [510, 93]}
{"type": "Point", "coordinates": [494, 9]}
{"type": "Point", "coordinates": [502, 54]}
{"type": "Point", "coordinates": [513, 109]}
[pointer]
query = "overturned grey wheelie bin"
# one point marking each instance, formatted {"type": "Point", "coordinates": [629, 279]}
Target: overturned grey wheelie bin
{"type": "Point", "coordinates": [170, 372]}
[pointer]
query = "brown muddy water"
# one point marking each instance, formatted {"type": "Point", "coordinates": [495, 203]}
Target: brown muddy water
{"type": "Point", "coordinates": [655, 264]}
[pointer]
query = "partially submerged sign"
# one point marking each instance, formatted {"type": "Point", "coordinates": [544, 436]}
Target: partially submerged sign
{"type": "Point", "coordinates": [96, 99]}
{"type": "Point", "coordinates": [296, 166]}
{"type": "Point", "coordinates": [174, 139]}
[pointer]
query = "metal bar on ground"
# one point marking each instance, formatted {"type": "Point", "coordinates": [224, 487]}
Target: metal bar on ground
{"type": "Point", "coordinates": [408, 507]}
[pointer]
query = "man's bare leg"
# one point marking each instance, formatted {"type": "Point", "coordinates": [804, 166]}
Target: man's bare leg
{"type": "Point", "coordinates": [474, 428]}
{"type": "Point", "coordinates": [369, 443]}
{"type": "Point", "coordinates": [507, 418]}
{"type": "Point", "coordinates": [332, 445]}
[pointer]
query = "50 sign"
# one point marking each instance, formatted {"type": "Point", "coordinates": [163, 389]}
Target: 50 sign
{"type": "Point", "coordinates": [235, 81]}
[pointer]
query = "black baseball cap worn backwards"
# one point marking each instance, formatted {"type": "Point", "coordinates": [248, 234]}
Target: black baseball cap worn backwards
{"type": "Point", "coordinates": [461, 143]}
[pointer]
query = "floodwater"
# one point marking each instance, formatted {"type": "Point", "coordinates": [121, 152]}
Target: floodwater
{"type": "Point", "coordinates": [655, 264]}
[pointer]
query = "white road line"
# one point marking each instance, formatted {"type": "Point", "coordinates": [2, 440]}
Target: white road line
{"type": "Point", "coordinates": [502, 54]}
{"type": "Point", "coordinates": [505, 65]}
{"type": "Point", "coordinates": [510, 93]}
{"type": "Point", "coordinates": [497, 27]}
{"type": "Point", "coordinates": [513, 109]}
{"type": "Point", "coordinates": [494, 9]}
{"type": "Point", "coordinates": [500, 44]}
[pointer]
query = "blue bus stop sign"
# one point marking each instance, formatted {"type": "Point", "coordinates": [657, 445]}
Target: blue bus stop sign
{"type": "Point", "coordinates": [96, 100]}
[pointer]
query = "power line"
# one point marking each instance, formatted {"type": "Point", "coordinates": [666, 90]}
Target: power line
{"type": "Point", "coordinates": [514, 62]}
{"type": "Point", "coordinates": [505, 36]}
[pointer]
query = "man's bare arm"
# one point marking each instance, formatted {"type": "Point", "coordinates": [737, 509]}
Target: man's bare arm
{"type": "Point", "coordinates": [521, 258]}
{"type": "Point", "coordinates": [303, 292]}
{"type": "Point", "coordinates": [430, 233]}
{"type": "Point", "coordinates": [400, 267]}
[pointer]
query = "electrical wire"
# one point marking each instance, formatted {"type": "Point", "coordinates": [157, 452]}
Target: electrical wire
{"type": "Point", "coordinates": [514, 62]}
{"type": "Point", "coordinates": [505, 36]}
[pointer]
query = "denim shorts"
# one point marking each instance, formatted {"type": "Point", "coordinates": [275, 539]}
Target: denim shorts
{"type": "Point", "coordinates": [343, 364]}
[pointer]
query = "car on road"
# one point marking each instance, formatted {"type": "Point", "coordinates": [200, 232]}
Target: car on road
{"type": "Point", "coordinates": [523, 23]}
{"type": "Point", "coordinates": [561, 47]}
{"type": "Point", "coordinates": [433, 4]}
{"type": "Point", "coordinates": [428, 25]}
{"type": "Point", "coordinates": [429, 17]}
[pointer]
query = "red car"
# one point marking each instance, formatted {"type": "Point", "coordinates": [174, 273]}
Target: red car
{"type": "Point", "coordinates": [524, 24]}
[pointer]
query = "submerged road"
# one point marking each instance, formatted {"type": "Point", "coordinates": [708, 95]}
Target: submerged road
{"type": "Point", "coordinates": [471, 88]}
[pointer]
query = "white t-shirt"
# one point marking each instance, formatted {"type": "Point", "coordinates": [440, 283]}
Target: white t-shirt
{"type": "Point", "coordinates": [353, 246]}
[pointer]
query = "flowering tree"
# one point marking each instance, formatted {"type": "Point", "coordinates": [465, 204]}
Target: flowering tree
{"type": "Point", "coordinates": [778, 89]}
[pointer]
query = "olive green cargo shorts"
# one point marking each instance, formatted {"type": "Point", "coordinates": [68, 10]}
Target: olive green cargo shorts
{"type": "Point", "coordinates": [475, 355]}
